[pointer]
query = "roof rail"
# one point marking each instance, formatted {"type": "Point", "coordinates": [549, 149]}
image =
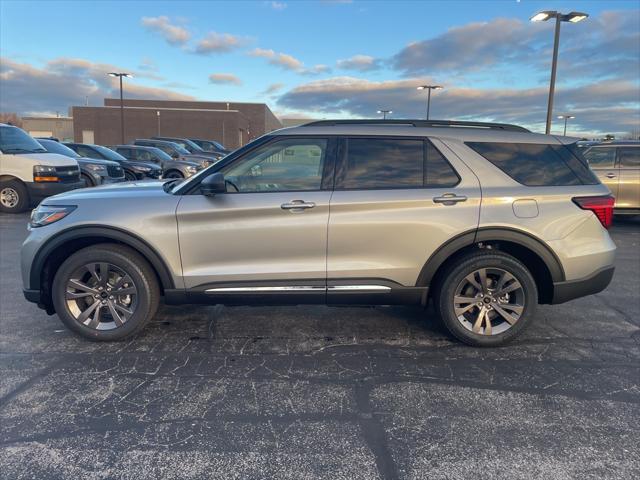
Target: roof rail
{"type": "Point", "coordinates": [419, 123]}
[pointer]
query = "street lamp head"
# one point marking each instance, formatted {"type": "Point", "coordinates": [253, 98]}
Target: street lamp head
{"type": "Point", "coordinates": [430, 87]}
{"type": "Point", "coordinates": [575, 17]}
{"type": "Point", "coordinates": [561, 117]}
{"type": "Point", "coordinates": [119, 74]}
{"type": "Point", "coordinates": [385, 111]}
{"type": "Point", "coordinates": [544, 16]}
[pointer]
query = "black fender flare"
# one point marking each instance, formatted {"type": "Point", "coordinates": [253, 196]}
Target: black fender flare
{"type": "Point", "coordinates": [111, 233]}
{"type": "Point", "coordinates": [488, 234]}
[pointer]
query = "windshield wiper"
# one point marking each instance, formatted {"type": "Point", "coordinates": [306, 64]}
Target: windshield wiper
{"type": "Point", "coordinates": [23, 150]}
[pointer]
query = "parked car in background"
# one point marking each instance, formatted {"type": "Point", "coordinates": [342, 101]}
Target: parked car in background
{"type": "Point", "coordinates": [175, 151]}
{"type": "Point", "coordinates": [485, 220]}
{"type": "Point", "coordinates": [210, 146]}
{"type": "Point", "coordinates": [171, 168]}
{"type": "Point", "coordinates": [617, 165]}
{"type": "Point", "coordinates": [93, 171]}
{"type": "Point", "coordinates": [191, 147]}
{"type": "Point", "coordinates": [28, 173]}
{"type": "Point", "coordinates": [132, 170]}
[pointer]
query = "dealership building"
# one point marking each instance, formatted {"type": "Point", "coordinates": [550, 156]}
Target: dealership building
{"type": "Point", "coordinates": [231, 123]}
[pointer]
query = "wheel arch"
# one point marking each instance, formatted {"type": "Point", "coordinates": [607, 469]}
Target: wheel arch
{"type": "Point", "coordinates": [51, 255]}
{"type": "Point", "coordinates": [541, 261]}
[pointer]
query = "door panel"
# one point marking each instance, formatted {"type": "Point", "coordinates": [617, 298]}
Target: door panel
{"type": "Point", "coordinates": [629, 171]}
{"type": "Point", "coordinates": [389, 234]}
{"type": "Point", "coordinates": [249, 237]}
{"type": "Point", "coordinates": [602, 160]}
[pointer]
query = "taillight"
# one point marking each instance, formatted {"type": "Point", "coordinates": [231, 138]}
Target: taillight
{"type": "Point", "coordinates": [602, 206]}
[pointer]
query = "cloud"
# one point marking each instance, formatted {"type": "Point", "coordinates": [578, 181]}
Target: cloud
{"type": "Point", "coordinates": [277, 5]}
{"type": "Point", "coordinates": [605, 46]}
{"type": "Point", "coordinates": [224, 79]}
{"type": "Point", "coordinates": [64, 82]}
{"type": "Point", "coordinates": [287, 62]}
{"type": "Point", "coordinates": [362, 63]}
{"type": "Point", "coordinates": [173, 34]}
{"type": "Point", "coordinates": [219, 43]}
{"type": "Point", "coordinates": [273, 88]}
{"type": "Point", "coordinates": [592, 103]}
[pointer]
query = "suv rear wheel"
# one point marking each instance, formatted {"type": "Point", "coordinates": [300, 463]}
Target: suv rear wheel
{"type": "Point", "coordinates": [105, 292]}
{"type": "Point", "coordinates": [486, 299]}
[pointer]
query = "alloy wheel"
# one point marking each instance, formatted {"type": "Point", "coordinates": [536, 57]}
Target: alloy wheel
{"type": "Point", "coordinates": [101, 296]}
{"type": "Point", "coordinates": [9, 197]}
{"type": "Point", "coordinates": [489, 301]}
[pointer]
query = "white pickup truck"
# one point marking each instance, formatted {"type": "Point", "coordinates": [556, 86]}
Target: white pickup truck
{"type": "Point", "coordinates": [28, 173]}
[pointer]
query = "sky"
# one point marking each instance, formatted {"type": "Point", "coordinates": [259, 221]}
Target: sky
{"type": "Point", "coordinates": [330, 59]}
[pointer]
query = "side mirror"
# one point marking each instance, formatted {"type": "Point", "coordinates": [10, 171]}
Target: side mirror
{"type": "Point", "coordinates": [213, 184]}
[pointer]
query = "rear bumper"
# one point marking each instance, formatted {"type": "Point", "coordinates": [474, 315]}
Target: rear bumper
{"type": "Point", "coordinates": [39, 191]}
{"type": "Point", "coordinates": [594, 283]}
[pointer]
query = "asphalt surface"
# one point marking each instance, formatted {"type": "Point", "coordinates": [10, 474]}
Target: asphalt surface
{"type": "Point", "coordinates": [317, 392]}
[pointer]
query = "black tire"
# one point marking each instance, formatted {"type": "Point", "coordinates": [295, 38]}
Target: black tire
{"type": "Point", "coordinates": [173, 174]}
{"type": "Point", "coordinates": [86, 179]}
{"type": "Point", "coordinates": [493, 262]}
{"type": "Point", "coordinates": [124, 259]}
{"type": "Point", "coordinates": [129, 177]}
{"type": "Point", "coordinates": [14, 196]}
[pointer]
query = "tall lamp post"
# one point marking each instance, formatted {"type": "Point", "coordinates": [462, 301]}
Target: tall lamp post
{"type": "Point", "coordinates": [429, 88]}
{"type": "Point", "coordinates": [384, 113]}
{"type": "Point", "coordinates": [573, 17]}
{"type": "Point", "coordinates": [120, 75]}
{"type": "Point", "coordinates": [565, 117]}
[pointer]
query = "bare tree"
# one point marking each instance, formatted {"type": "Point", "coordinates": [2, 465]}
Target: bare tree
{"type": "Point", "coordinates": [11, 118]}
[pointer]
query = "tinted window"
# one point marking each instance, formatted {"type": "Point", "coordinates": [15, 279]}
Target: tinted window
{"type": "Point", "coordinates": [600, 157]}
{"type": "Point", "coordinates": [629, 156]}
{"type": "Point", "coordinates": [15, 140]}
{"type": "Point", "coordinates": [157, 154]}
{"type": "Point", "coordinates": [54, 147]}
{"type": "Point", "coordinates": [378, 163]}
{"type": "Point", "coordinates": [283, 165]}
{"type": "Point", "coordinates": [144, 156]}
{"type": "Point", "coordinates": [438, 172]}
{"type": "Point", "coordinates": [125, 152]}
{"type": "Point", "coordinates": [535, 164]}
{"type": "Point", "coordinates": [87, 152]}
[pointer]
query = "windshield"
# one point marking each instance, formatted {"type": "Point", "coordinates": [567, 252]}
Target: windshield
{"type": "Point", "coordinates": [15, 140]}
{"type": "Point", "coordinates": [162, 155]}
{"type": "Point", "coordinates": [51, 146]}
{"type": "Point", "coordinates": [179, 148]}
{"type": "Point", "coordinates": [109, 154]}
{"type": "Point", "coordinates": [186, 145]}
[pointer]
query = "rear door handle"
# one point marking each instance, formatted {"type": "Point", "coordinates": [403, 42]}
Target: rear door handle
{"type": "Point", "coordinates": [610, 175]}
{"type": "Point", "coordinates": [449, 199]}
{"type": "Point", "coordinates": [297, 205]}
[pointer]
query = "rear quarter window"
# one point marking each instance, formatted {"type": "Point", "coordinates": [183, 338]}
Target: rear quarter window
{"type": "Point", "coordinates": [535, 164]}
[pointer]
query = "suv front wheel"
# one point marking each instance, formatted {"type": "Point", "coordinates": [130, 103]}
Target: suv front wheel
{"type": "Point", "coordinates": [486, 299]}
{"type": "Point", "coordinates": [105, 292]}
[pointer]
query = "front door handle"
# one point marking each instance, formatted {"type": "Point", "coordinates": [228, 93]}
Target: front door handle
{"type": "Point", "coordinates": [297, 205]}
{"type": "Point", "coordinates": [449, 199]}
{"type": "Point", "coordinates": [610, 175]}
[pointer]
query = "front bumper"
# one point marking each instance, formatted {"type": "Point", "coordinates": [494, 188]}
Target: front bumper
{"type": "Point", "coordinates": [39, 191]}
{"type": "Point", "coordinates": [571, 289]}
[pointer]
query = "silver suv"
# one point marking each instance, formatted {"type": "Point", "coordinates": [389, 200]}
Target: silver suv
{"type": "Point", "coordinates": [485, 220]}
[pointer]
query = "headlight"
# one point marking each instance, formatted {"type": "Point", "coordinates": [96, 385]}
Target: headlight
{"type": "Point", "coordinates": [141, 169]}
{"type": "Point", "coordinates": [191, 169]}
{"type": "Point", "coordinates": [44, 173]}
{"type": "Point", "coordinates": [96, 167]}
{"type": "Point", "coordinates": [46, 215]}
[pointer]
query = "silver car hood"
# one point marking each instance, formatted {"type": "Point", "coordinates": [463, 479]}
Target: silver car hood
{"type": "Point", "coordinates": [125, 190]}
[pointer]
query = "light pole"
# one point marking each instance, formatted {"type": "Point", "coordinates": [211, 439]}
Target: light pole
{"type": "Point", "coordinates": [429, 88]}
{"type": "Point", "coordinates": [566, 117]}
{"type": "Point", "coordinates": [158, 114]}
{"type": "Point", "coordinates": [573, 17]}
{"type": "Point", "coordinates": [384, 113]}
{"type": "Point", "coordinates": [120, 75]}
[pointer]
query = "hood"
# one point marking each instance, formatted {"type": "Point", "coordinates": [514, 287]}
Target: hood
{"type": "Point", "coordinates": [135, 163]}
{"type": "Point", "coordinates": [45, 158]}
{"type": "Point", "coordinates": [134, 191]}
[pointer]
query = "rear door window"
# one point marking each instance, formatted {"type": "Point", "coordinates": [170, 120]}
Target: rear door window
{"type": "Point", "coordinates": [601, 157]}
{"type": "Point", "coordinates": [629, 157]}
{"type": "Point", "coordinates": [536, 164]}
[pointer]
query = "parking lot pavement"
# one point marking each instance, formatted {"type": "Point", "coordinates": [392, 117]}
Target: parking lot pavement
{"type": "Point", "coordinates": [318, 392]}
